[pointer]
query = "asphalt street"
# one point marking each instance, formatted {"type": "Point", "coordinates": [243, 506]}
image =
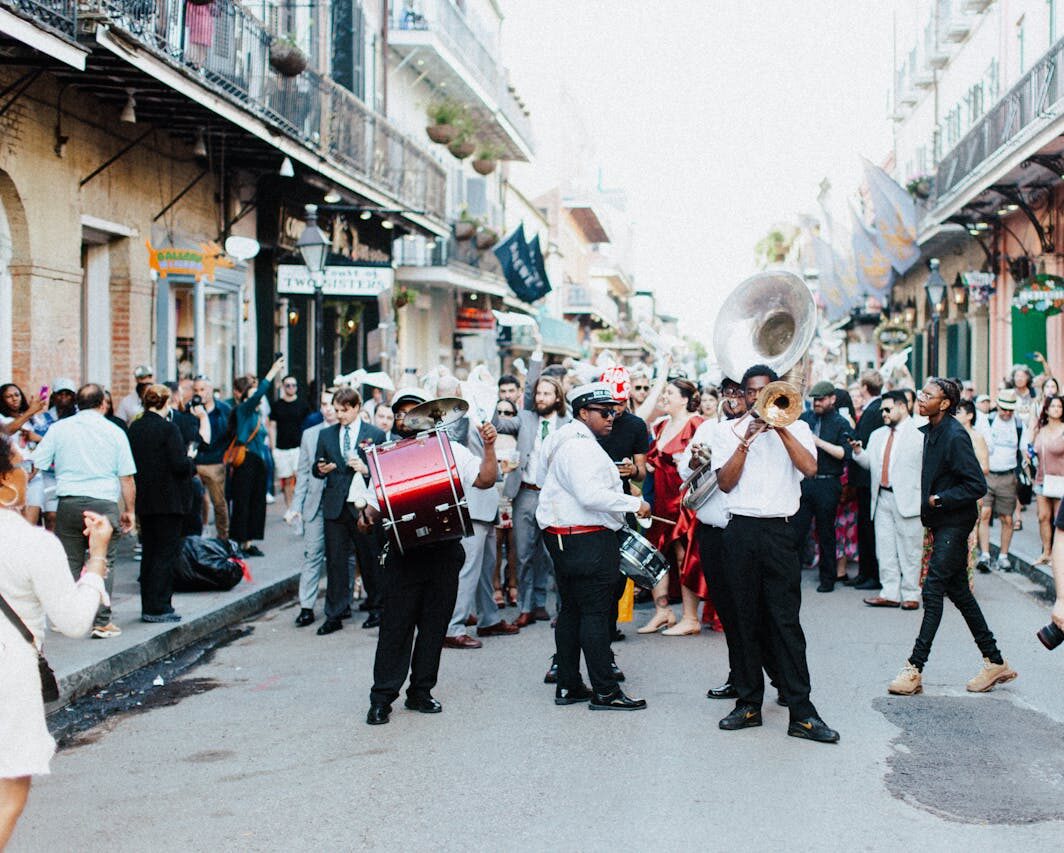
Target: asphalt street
{"type": "Point", "coordinates": [264, 747]}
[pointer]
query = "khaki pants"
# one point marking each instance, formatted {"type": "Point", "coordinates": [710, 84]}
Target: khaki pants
{"type": "Point", "coordinates": [213, 478]}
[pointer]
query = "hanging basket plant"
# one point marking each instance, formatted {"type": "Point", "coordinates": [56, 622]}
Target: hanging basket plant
{"type": "Point", "coordinates": [486, 238]}
{"type": "Point", "coordinates": [462, 147]}
{"type": "Point", "coordinates": [200, 2]}
{"type": "Point", "coordinates": [445, 120]}
{"type": "Point", "coordinates": [921, 187]}
{"type": "Point", "coordinates": [1044, 293]}
{"type": "Point", "coordinates": [402, 297]}
{"type": "Point", "coordinates": [286, 57]}
{"type": "Point", "coordinates": [487, 159]}
{"type": "Point", "coordinates": [466, 226]}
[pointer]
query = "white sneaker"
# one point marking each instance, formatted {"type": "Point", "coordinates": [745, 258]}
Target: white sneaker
{"type": "Point", "coordinates": [269, 498]}
{"type": "Point", "coordinates": [1003, 563]}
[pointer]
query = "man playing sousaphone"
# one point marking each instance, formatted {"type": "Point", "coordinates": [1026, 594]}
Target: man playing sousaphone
{"type": "Point", "coordinates": [761, 467]}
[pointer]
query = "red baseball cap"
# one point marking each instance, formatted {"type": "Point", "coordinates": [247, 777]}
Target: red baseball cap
{"type": "Point", "coordinates": [619, 380]}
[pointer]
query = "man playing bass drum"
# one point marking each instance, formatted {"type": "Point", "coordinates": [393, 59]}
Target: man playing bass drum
{"type": "Point", "coordinates": [420, 587]}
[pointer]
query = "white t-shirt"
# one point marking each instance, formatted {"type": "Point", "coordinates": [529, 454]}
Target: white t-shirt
{"type": "Point", "coordinates": [1003, 441]}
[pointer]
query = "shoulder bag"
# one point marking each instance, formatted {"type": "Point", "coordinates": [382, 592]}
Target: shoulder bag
{"type": "Point", "coordinates": [237, 452]}
{"type": "Point", "coordinates": [49, 686]}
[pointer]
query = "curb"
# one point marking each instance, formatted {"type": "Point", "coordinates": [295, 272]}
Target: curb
{"type": "Point", "coordinates": [1037, 575]}
{"type": "Point", "coordinates": [104, 672]}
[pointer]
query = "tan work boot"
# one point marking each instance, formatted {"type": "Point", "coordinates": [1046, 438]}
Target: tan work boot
{"type": "Point", "coordinates": [990, 675]}
{"type": "Point", "coordinates": [907, 682]}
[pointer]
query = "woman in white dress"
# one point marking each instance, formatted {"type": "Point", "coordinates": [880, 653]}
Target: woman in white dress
{"type": "Point", "coordinates": [35, 582]}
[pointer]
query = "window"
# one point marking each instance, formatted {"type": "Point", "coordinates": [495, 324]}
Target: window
{"type": "Point", "coordinates": [349, 47]}
{"type": "Point", "coordinates": [1021, 59]}
{"type": "Point", "coordinates": [993, 83]}
{"type": "Point", "coordinates": [974, 103]}
{"type": "Point", "coordinates": [1051, 9]}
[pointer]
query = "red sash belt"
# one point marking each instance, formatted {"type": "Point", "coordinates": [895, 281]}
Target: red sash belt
{"type": "Point", "coordinates": [573, 531]}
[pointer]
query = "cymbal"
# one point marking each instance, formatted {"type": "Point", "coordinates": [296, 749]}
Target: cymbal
{"type": "Point", "coordinates": [436, 413]}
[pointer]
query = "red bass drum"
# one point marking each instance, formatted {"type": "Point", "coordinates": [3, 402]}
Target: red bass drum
{"type": "Point", "coordinates": [418, 490]}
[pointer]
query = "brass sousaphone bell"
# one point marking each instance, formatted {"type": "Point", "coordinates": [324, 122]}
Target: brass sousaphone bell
{"type": "Point", "coordinates": [770, 319]}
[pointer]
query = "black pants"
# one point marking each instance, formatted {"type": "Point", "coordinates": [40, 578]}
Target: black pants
{"type": "Point", "coordinates": [586, 566]}
{"type": "Point", "coordinates": [762, 571]}
{"type": "Point", "coordinates": [418, 594]}
{"type": "Point", "coordinates": [160, 537]}
{"type": "Point", "coordinates": [820, 502]}
{"type": "Point", "coordinates": [866, 536]}
{"type": "Point", "coordinates": [342, 539]}
{"type": "Point", "coordinates": [711, 555]}
{"type": "Point", "coordinates": [947, 574]}
{"type": "Point", "coordinates": [247, 511]}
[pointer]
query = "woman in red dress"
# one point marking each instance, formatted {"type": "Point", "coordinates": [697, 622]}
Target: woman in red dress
{"type": "Point", "coordinates": [671, 435]}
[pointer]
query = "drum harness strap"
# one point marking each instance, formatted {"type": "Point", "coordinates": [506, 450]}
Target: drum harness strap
{"type": "Point", "coordinates": [550, 461]}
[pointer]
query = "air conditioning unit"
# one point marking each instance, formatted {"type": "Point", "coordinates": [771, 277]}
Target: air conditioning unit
{"type": "Point", "coordinates": [958, 30]}
{"type": "Point", "coordinates": [975, 6]}
{"type": "Point", "coordinates": [923, 79]}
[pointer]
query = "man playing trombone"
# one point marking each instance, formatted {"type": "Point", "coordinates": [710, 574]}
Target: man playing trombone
{"type": "Point", "coordinates": [761, 466]}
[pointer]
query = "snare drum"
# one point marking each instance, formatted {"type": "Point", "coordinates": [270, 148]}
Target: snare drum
{"type": "Point", "coordinates": [418, 490]}
{"type": "Point", "coordinates": [641, 561]}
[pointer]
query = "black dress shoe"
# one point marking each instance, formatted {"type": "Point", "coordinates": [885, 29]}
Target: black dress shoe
{"type": "Point", "coordinates": [615, 670]}
{"type": "Point", "coordinates": [826, 587]}
{"type": "Point", "coordinates": [616, 702]}
{"type": "Point", "coordinates": [780, 700]}
{"type": "Point", "coordinates": [552, 674]}
{"type": "Point", "coordinates": [852, 581]}
{"type": "Point", "coordinates": [572, 695]}
{"type": "Point", "coordinates": [813, 728]}
{"type": "Point", "coordinates": [253, 551]}
{"type": "Point", "coordinates": [345, 613]}
{"type": "Point", "coordinates": [328, 626]}
{"type": "Point", "coordinates": [868, 583]}
{"type": "Point", "coordinates": [305, 617]}
{"type": "Point", "coordinates": [618, 635]}
{"type": "Point", "coordinates": [378, 714]}
{"type": "Point", "coordinates": [743, 717]}
{"type": "Point", "coordinates": [725, 691]}
{"type": "Point", "coordinates": [374, 621]}
{"type": "Point", "coordinates": [423, 705]}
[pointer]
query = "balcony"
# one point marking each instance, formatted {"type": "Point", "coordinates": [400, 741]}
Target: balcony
{"type": "Point", "coordinates": [438, 40]}
{"type": "Point", "coordinates": [976, 6]}
{"type": "Point", "coordinates": [1026, 108]}
{"type": "Point", "coordinates": [226, 51]}
{"type": "Point", "coordinates": [937, 57]}
{"type": "Point", "coordinates": [581, 299]}
{"type": "Point", "coordinates": [60, 16]}
{"type": "Point", "coordinates": [33, 29]}
{"type": "Point", "coordinates": [958, 30]}
{"type": "Point", "coordinates": [923, 79]}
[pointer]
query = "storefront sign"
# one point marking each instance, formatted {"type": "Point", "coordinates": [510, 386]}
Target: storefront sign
{"type": "Point", "coordinates": [338, 281]}
{"type": "Point", "coordinates": [198, 263]}
{"type": "Point", "coordinates": [354, 238]}
{"type": "Point", "coordinates": [893, 336]}
{"type": "Point", "coordinates": [469, 319]}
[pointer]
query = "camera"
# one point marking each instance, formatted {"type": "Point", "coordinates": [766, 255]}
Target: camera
{"type": "Point", "coordinates": [1051, 636]}
{"type": "Point", "coordinates": [196, 400]}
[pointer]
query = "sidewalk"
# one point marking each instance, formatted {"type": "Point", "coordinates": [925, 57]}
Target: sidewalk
{"type": "Point", "coordinates": [1026, 547]}
{"type": "Point", "coordinates": [85, 665]}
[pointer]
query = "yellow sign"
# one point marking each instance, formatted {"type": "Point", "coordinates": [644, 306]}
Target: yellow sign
{"type": "Point", "coordinates": [893, 336]}
{"type": "Point", "coordinates": [198, 263]}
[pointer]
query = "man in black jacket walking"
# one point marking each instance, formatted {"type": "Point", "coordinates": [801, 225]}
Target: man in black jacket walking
{"type": "Point", "coordinates": [951, 485]}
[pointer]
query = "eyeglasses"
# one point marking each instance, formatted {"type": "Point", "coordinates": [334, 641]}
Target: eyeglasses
{"type": "Point", "coordinates": [290, 385]}
{"type": "Point", "coordinates": [608, 414]}
{"type": "Point", "coordinates": [733, 392]}
{"type": "Point", "coordinates": [640, 387]}
{"type": "Point", "coordinates": [923, 395]}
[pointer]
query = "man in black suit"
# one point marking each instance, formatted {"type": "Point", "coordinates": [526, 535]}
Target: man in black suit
{"type": "Point", "coordinates": [871, 419]}
{"type": "Point", "coordinates": [341, 456]}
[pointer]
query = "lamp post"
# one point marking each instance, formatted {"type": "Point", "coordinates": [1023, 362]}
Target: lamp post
{"type": "Point", "coordinates": [313, 245]}
{"type": "Point", "coordinates": [936, 292]}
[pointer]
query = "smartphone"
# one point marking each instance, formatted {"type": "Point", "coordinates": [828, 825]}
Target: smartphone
{"type": "Point", "coordinates": [44, 392]}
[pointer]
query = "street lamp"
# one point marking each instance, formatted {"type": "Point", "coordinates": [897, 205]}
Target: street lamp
{"type": "Point", "coordinates": [936, 292]}
{"type": "Point", "coordinates": [313, 245]}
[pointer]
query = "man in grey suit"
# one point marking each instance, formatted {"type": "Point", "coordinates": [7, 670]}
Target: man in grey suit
{"type": "Point", "coordinates": [531, 427]}
{"type": "Point", "coordinates": [306, 506]}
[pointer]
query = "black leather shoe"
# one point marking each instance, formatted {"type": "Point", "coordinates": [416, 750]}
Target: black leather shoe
{"type": "Point", "coordinates": [423, 705]}
{"type": "Point", "coordinates": [852, 581]}
{"type": "Point", "coordinates": [867, 583]}
{"type": "Point", "coordinates": [378, 714]}
{"type": "Point", "coordinates": [813, 728]}
{"type": "Point", "coordinates": [780, 700]}
{"type": "Point", "coordinates": [572, 695]}
{"type": "Point", "coordinates": [253, 551]}
{"type": "Point", "coordinates": [743, 717]}
{"type": "Point", "coordinates": [552, 674]}
{"type": "Point", "coordinates": [345, 613]}
{"type": "Point", "coordinates": [328, 626]}
{"type": "Point", "coordinates": [616, 670]}
{"type": "Point", "coordinates": [305, 617]}
{"type": "Point", "coordinates": [826, 587]}
{"type": "Point", "coordinates": [618, 636]}
{"type": "Point", "coordinates": [725, 691]}
{"type": "Point", "coordinates": [616, 702]}
{"type": "Point", "coordinates": [374, 621]}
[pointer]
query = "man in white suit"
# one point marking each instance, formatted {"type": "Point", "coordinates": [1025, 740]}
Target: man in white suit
{"type": "Point", "coordinates": [894, 459]}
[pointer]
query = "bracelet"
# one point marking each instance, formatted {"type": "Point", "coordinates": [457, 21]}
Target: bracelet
{"type": "Point", "coordinates": [97, 560]}
{"type": "Point", "coordinates": [744, 446]}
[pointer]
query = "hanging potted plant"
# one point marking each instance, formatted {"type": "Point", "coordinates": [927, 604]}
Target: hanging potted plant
{"type": "Point", "coordinates": [286, 57]}
{"type": "Point", "coordinates": [486, 238]}
{"type": "Point", "coordinates": [486, 159]}
{"type": "Point", "coordinates": [402, 297]}
{"type": "Point", "coordinates": [200, 2]}
{"type": "Point", "coordinates": [920, 187]}
{"type": "Point", "coordinates": [466, 226]}
{"type": "Point", "coordinates": [445, 117]}
{"type": "Point", "coordinates": [463, 143]}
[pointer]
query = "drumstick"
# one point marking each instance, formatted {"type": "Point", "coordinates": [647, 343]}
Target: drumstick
{"type": "Point", "coordinates": [662, 520]}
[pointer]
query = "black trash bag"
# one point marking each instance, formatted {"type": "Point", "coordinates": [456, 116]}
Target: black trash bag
{"type": "Point", "coordinates": [208, 565]}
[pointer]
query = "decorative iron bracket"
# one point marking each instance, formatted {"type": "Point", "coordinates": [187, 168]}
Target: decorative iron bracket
{"type": "Point", "coordinates": [1014, 196]}
{"type": "Point", "coordinates": [114, 159]}
{"type": "Point", "coordinates": [180, 195]}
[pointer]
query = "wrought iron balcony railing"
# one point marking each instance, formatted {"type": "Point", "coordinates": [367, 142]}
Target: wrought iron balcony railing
{"type": "Point", "coordinates": [1036, 95]}
{"type": "Point", "coordinates": [228, 50]}
{"type": "Point", "coordinates": [58, 15]}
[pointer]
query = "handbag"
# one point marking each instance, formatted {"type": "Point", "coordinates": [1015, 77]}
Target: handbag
{"type": "Point", "coordinates": [1053, 486]}
{"type": "Point", "coordinates": [49, 686]}
{"type": "Point", "coordinates": [237, 452]}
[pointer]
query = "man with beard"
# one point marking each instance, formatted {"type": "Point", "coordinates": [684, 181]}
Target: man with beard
{"type": "Point", "coordinates": [532, 428]}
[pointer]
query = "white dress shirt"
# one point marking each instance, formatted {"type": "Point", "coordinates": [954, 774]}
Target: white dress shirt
{"type": "Point", "coordinates": [529, 474]}
{"type": "Point", "coordinates": [580, 483]}
{"type": "Point", "coordinates": [89, 452]}
{"type": "Point", "coordinates": [770, 486]}
{"type": "Point", "coordinates": [714, 511]}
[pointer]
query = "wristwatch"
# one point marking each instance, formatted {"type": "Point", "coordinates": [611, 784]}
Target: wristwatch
{"type": "Point", "coordinates": [933, 500]}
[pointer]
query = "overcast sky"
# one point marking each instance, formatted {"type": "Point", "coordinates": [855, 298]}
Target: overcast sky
{"type": "Point", "coordinates": [719, 118]}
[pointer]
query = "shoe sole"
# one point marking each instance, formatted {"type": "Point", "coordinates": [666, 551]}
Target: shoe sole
{"type": "Point", "coordinates": [558, 701]}
{"type": "Point", "coordinates": [756, 725]}
{"type": "Point", "coordinates": [595, 707]}
{"type": "Point", "coordinates": [423, 710]}
{"type": "Point", "coordinates": [803, 735]}
{"type": "Point", "coordinates": [1001, 679]}
{"type": "Point", "coordinates": [919, 689]}
{"type": "Point", "coordinates": [383, 722]}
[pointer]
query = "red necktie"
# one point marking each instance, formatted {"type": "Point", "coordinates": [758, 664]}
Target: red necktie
{"type": "Point", "coordinates": [884, 475]}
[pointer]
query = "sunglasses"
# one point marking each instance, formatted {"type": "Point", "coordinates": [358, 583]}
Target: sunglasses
{"type": "Point", "coordinates": [608, 414]}
{"type": "Point", "coordinates": [506, 412]}
{"type": "Point", "coordinates": [640, 387]}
